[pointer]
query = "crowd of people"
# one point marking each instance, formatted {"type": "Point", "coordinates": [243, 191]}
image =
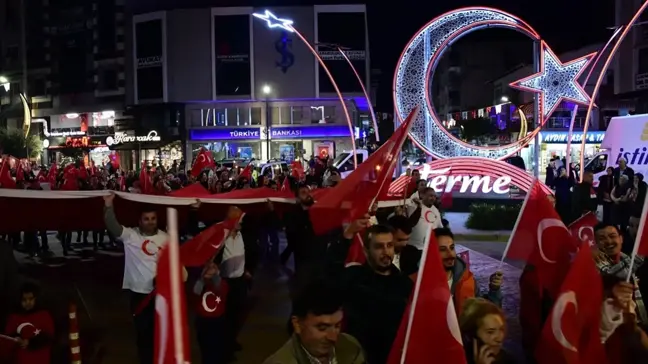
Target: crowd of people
{"type": "Point", "coordinates": [350, 313]}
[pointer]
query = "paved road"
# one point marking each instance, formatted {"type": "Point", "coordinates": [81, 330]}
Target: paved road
{"type": "Point", "coordinates": [94, 280]}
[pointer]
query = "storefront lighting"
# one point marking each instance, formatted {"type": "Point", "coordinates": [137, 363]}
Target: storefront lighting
{"type": "Point", "coordinates": [107, 114]}
{"type": "Point", "coordinates": [6, 86]}
{"type": "Point", "coordinates": [46, 143]}
{"type": "Point", "coordinates": [504, 99]}
{"type": "Point", "coordinates": [266, 90]}
{"type": "Point", "coordinates": [72, 115]}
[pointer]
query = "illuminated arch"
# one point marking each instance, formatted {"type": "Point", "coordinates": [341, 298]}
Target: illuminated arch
{"type": "Point", "coordinates": [417, 64]}
{"type": "Point", "coordinates": [475, 166]}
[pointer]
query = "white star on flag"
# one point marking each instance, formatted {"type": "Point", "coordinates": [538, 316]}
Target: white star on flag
{"type": "Point", "coordinates": [274, 22]}
{"type": "Point", "coordinates": [556, 81]}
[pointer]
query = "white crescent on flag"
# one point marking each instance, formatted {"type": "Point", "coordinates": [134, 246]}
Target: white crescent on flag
{"type": "Point", "coordinates": [451, 319]}
{"type": "Point", "coordinates": [542, 226]}
{"type": "Point", "coordinates": [556, 318]}
{"type": "Point", "coordinates": [23, 325]}
{"type": "Point", "coordinates": [583, 237]}
{"type": "Point", "coordinates": [204, 301]}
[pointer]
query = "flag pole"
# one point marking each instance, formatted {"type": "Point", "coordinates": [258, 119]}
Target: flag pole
{"type": "Point", "coordinates": [176, 292]}
{"type": "Point", "coordinates": [637, 242]}
{"type": "Point", "coordinates": [517, 222]}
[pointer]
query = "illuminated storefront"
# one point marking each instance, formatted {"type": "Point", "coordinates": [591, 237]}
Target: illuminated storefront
{"type": "Point", "coordinates": [554, 144]}
{"type": "Point", "coordinates": [283, 143]}
{"type": "Point", "coordinates": [150, 147]}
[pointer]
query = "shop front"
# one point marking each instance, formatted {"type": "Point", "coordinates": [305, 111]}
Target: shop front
{"type": "Point", "coordinates": [554, 144]}
{"type": "Point", "coordinates": [290, 142]}
{"type": "Point", "coordinates": [151, 147]}
{"type": "Point", "coordinates": [64, 148]}
{"type": "Point", "coordinates": [226, 143]}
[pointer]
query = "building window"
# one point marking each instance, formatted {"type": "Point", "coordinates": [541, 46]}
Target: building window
{"type": "Point", "coordinates": [642, 60]}
{"type": "Point", "coordinates": [107, 79]}
{"type": "Point", "coordinates": [37, 87]}
{"type": "Point", "coordinates": [297, 113]}
{"type": "Point", "coordinates": [255, 116]}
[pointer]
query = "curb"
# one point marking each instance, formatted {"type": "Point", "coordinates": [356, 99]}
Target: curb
{"type": "Point", "coordinates": [502, 238]}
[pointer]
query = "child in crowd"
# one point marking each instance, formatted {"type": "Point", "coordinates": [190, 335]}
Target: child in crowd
{"type": "Point", "coordinates": [32, 328]}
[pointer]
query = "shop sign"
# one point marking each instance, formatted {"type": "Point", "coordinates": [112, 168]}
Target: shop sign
{"type": "Point", "coordinates": [305, 132]}
{"type": "Point", "coordinates": [225, 134]}
{"type": "Point", "coordinates": [70, 142]}
{"type": "Point", "coordinates": [560, 137]}
{"type": "Point", "coordinates": [121, 138]}
{"type": "Point", "coordinates": [66, 133]}
{"type": "Point", "coordinates": [441, 181]}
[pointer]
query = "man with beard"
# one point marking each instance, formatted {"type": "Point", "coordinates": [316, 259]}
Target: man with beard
{"type": "Point", "coordinates": [406, 257]}
{"type": "Point", "coordinates": [460, 279]}
{"type": "Point", "coordinates": [376, 295]}
{"type": "Point", "coordinates": [423, 214]}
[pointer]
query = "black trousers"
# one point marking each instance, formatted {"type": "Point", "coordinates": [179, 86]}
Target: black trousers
{"type": "Point", "coordinates": [234, 310]}
{"type": "Point", "coordinates": [210, 334]}
{"type": "Point", "coordinates": [144, 327]}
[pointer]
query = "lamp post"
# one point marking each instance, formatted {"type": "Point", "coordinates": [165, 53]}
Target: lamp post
{"type": "Point", "coordinates": [266, 92]}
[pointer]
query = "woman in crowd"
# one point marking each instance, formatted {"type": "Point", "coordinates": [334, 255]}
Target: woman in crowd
{"type": "Point", "coordinates": [483, 327]}
{"type": "Point", "coordinates": [621, 197]}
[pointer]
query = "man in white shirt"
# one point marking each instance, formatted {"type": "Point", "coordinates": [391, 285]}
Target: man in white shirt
{"type": "Point", "coordinates": [141, 247]}
{"type": "Point", "coordinates": [423, 214]}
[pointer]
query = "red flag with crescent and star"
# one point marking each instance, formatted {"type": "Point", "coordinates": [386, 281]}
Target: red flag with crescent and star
{"type": "Point", "coordinates": [146, 185]}
{"type": "Point", "coordinates": [356, 254]}
{"type": "Point", "coordinates": [583, 228]}
{"type": "Point", "coordinates": [571, 332]}
{"type": "Point", "coordinates": [203, 160]}
{"type": "Point", "coordinates": [431, 306]}
{"type": "Point", "coordinates": [205, 245]}
{"type": "Point", "coordinates": [541, 239]}
{"type": "Point", "coordinates": [212, 299]}
{"type": "Point", "coordinates": [354, 195]}
{"type": "Point", "coordinates": [28, 326]}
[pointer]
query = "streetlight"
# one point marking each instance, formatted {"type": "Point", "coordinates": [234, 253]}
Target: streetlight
{"type": "Point", "coordinates": [266, 89]}
{"type": "Point", "coordinates": [504, 99]}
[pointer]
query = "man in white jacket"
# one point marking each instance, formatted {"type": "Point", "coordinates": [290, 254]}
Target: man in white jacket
{"type": "Point", "coordinates": [423, 214]}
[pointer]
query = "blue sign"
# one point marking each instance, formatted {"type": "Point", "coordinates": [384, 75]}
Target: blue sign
{"type": "Point", "coordinates": [560, 137]}
{"type": "Point", "coordinates": [305, 132]}
{"type": "Point", "coordinates": [225, 134]}
{"type": "Point", "coordinates": [285, 132]}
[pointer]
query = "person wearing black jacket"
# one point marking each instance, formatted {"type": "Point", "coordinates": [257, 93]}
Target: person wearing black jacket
{"type": "Point", "coordinates": [584, 197]}
{"type": "Point", "coordinates": [406, 256]}
{"type": "Point", "coordinates": [604, 190]}
{"type": "Point", "coordinates": [623, 169]}
{"type": "Point", "coordinates": [375, 295]}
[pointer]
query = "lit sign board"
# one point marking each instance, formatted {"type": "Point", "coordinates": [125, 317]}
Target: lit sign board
{"type": "Point", "coordinates": [560, 137]}
{"type": "Point", "coordinates": [66, 133]}
{"type": "Point", "coordinates": [441, 181]}
{"type": "Point", "coordinates": [121, 138]}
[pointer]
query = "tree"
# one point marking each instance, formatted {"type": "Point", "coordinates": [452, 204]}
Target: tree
{"type": "Point", "coordinates": [14, 143]}
{"type": "Point", "coordinates": [476, 128]}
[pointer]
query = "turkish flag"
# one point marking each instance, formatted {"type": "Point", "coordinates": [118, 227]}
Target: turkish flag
{"type": "Point", "coordinates": [571, 332]}
{"type": "Point", "coordinates": [203, 160]}
{"type": "Point", "coordinates": [20, 173]}
{"type": "Point", "coordinates": [297, 170]}
{"type": "Point", "coordinates": [246, 172]}
{"type": "Point", "coordinates": [197, 251]}
{"type": "Point", "coordinates": [171, 329]}
{"type": "Point", "coordinates": [354, 195]}
{"type": "Point", "coordinates": [286, 184]}
{"type": "Point", "coordinates": [146, 186]}
{"type": "Point", "coordinates": [541, 239]}
{"type": "Point", "coordinates": [583, 228]}
{"type": "Point", "coordinates": [356, 254]}
{"type": "Point", "coordinates": [430, 325]}
{"type": "Point", "coordinates": [70, 182]}
{"type": "Point", "coordinates": [52, 175]}
{"type": "Point", "coordinates": [212, 300]}
{"type": "Point", "coordinates": [5, 174]}
{"type": "Point", "coordinates": [641, 242]}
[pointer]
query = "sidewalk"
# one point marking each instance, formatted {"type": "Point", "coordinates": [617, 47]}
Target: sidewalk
{"type": "Point", "coordinates": [457, 222]}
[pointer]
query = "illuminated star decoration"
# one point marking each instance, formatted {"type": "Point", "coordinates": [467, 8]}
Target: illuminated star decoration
{"type": "Point", "coordinates": [556, 81]}
{"type": "Point", "coordinates": [274, 22]}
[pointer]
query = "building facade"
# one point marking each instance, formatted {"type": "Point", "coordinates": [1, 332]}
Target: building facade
{"type": "Point", "coordinates": [251, 91]}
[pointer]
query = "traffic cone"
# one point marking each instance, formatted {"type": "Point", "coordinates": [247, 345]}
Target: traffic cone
{"type": "Point", "coordinates": [75, 346]}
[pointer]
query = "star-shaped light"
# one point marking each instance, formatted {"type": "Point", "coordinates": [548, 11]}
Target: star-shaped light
{"type": "Point", "coordinates": [556, 81]}
{"type": "Point", "coordinates": [274, 22]}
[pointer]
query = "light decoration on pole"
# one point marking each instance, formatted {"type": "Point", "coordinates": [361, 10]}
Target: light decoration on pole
{"type": "Point", "coordinates": [556, 81]}
{"type": "Point", "coordinates": [272, 21]}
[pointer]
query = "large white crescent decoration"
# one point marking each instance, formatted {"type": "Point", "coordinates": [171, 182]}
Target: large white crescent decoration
{"type": "Point", "coordinates": [544, 225]}
{"type": "Point", "coordinates": [451, 319]}
{"type": "Point", "coordinates": [204, 301]}
{"type": "Point", "coordinates": [556, 318]}
{"type": "Point", "coordinates": [583, 237]}
{"type": "Point", "coordinates": [162, 310]}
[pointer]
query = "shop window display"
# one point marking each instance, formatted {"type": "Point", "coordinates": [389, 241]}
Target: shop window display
{"type": "Point", "coordinates": [226, 150]}
{"type": "Point", "coordinates": [286, 151]}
